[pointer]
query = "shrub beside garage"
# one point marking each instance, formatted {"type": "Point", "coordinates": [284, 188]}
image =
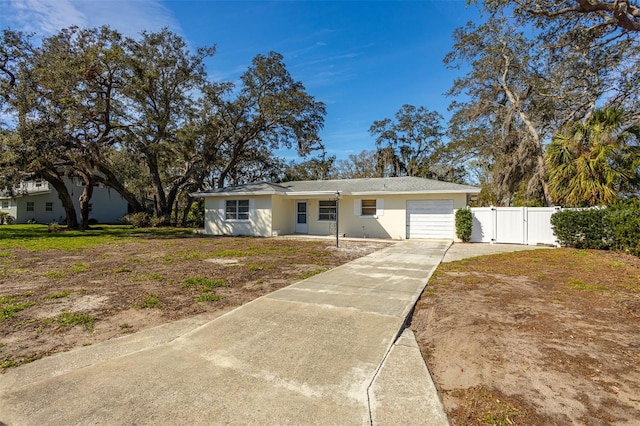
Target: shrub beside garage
{"type": "Point", "coordinates": [464, 224]}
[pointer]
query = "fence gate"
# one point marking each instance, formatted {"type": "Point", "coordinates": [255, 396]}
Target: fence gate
{"type": "Point", "coordinates": [513, 225]}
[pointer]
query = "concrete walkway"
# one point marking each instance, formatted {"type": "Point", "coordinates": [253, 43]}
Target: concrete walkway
{"type": "Point", "coordinates": [460, 251]}
{"type": "Point", "coordinates": [321, 351]}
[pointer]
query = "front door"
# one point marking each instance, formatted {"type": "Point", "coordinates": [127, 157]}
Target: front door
{"type": "Point", "coordinates": [302, 227]}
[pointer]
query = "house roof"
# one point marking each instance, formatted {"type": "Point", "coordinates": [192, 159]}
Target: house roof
{"type": "Point", "coordinates": [368, 186]}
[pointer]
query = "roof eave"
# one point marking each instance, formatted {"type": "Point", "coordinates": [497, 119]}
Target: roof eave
{"type": "Point", "coordinates": [332, 192]}
{"type": "Point", "coordinates": [313, 193]}
{"type": "Point", "coordinates": [427, 191]}
{"type": "Point", "coordinates": [229, 194]}
{"type": "Point", "coordinates": [25, 194]}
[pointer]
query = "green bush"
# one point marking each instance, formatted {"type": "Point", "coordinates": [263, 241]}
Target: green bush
{"type": "Point", "coordinates": [464, 224]}
{"type": "Point", "coordinates": [195, 217]}
{"type": "Point", "coordinates": [616, 227]}
{"type": "Point", "coordinates": [156, 221]}
{"type": "Point", "coordinates": [6, 218]}
{"type": "Point", "coordinates": [54, 228]}
{"type": "Point", "coordinates": [624, 221]}
{"type": "Point", "coordinates": [137, 220]}
{"type": "Point", "coordinates": [584, 229]}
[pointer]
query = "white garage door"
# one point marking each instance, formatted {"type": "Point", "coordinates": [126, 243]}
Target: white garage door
{"type": "Point", "coordinates": [430, 219]}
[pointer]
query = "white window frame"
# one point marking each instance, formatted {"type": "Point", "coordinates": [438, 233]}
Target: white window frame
{"type": "Point", "coordinates": [31, 206]}
{"type": "Point", "coordinates": [233, 210]}
{"type": "Point", "coordinates": [48, 206]}
{"type": "Point", "coordinates": [327, 213]}
{"type": "Point", "coordinates": [5, 204]}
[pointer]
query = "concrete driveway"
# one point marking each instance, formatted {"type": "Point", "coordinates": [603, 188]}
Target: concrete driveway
{"type": "Point", "coordinates": [459, 251]}
{"type": "Point", "coordinates": [321, 351]}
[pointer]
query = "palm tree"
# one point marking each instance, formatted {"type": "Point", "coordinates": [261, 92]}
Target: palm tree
{"type": "Point", "coordinates": [594, 162]}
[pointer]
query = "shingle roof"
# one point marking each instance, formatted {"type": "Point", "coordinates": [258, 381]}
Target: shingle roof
{"type": "Point", "coordinates": [249, 188]}
{"type": "Point", "coordinates": [346, 186]}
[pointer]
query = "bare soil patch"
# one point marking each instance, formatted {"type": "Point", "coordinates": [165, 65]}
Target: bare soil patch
{"type": "Point", "coordinates": [535, 337]}
{"type": "Point", "coordinates": [55, 300]}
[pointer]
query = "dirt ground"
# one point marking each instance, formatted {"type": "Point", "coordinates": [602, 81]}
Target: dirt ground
{"type": "Point", "coordinates": [53, 300]}
{"type": "Point", "coordinates": [537, 337]}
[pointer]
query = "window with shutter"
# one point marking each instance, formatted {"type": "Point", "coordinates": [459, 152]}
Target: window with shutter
{"type": "Point", "coordinates": [368, 208]}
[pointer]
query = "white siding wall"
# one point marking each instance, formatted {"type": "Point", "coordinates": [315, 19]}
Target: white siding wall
{"type": "Point", "coordinates": [11, 209]}
{"type": "Point", "coordinates": [107, 205]}
{"type": "Point", "coordinates": [39, 212]}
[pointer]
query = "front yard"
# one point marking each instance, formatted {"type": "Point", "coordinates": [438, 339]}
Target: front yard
{"type": "Point", "coordinates": [69, 289]}
{"type": "Point", "coordinates": [535, 337]}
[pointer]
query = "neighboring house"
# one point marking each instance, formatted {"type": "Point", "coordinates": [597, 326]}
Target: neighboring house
{"type": "Point", "coordinates": [398, 208]}
{"type": "Point", "coordinates": [37, 200]}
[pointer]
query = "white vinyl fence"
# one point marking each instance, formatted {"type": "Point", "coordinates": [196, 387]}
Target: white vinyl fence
{"type": "Point", "coordinates": [514, 225]}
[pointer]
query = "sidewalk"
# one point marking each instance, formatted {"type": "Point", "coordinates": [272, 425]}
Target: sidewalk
{"type": "Point", "coordinates": [320, 351]}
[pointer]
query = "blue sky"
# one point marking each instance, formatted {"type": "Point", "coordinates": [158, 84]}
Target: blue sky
{"type": "Point", "coordinates": [363, 59]}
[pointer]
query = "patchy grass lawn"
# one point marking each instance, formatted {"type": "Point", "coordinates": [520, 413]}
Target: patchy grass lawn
{"type": "Point", "coordinates": [535, 337]}
{"type": "Point", "coordinates": [69, 289]}
{"type": "Point", "coordinates": [38, 237]}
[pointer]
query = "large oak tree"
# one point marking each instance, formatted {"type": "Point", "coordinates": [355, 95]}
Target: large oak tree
{"type": "Point", "coordinates": [270, 111]}
{"type": "Point", "coordinates": [140, 116]}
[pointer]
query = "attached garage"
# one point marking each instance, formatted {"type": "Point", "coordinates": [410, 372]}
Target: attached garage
{"type": "Point", "coordinates": [430, 219]}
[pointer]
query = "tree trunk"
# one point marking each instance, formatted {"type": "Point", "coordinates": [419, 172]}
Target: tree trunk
{"type": "Point", "coordinates": [222, 178]}
{"type": "Point", "coordinates": [162, 210]}
{"type": "Point", "coordinates": [174, 212]}
{"type": "Point", "coordinates": [542, 172]}
{"type": "Point", "coordinates": [178, 187]}
{"type": "Point", "coordinates": [63, 195]}
{"type": "Point", "coordinates": [541, 167]}
{"type": "Point", "coordinates": [230, 164]}
{"type": "Point", "coordinates": [84, 200]}
{"type": "Point", "coordinates": [185, 214]}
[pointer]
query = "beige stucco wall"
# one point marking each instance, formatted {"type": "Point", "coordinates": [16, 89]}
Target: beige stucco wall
{"type": "Point", "coordinates": [259, 223]}
{"type": "Point", "coordinates": [317, 226]}
{"type": "Point", "coordinates": [284, 215]}
{"type": "Point", "coordinates": [390, 223]}
{"type": "Point", "coordinates": [277, 213]}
